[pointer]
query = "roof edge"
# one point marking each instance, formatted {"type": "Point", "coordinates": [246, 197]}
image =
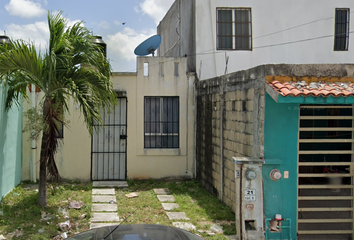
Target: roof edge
{"type": "Point", "coordinates": [310, 70]}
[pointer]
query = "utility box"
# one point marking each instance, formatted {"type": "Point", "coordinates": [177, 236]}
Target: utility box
{"type": "Point", "coordinates": [249, 198]}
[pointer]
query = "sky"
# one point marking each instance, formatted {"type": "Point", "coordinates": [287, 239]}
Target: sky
{"type": "Point", "coordinates": [123, 24]}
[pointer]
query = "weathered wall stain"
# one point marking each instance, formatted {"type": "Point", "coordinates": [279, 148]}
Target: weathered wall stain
{"type": "Point", "coordinates": [230, 115]}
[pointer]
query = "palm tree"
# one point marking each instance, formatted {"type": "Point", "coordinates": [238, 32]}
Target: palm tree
{"type": "Point", "coordinates": [73, 66]}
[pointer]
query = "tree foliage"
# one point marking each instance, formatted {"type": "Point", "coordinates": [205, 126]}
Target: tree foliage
{"type": "Point", "coordinates": [72, 66]}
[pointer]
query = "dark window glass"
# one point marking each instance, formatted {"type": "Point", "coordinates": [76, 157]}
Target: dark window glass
{"type": "Point", "coordinates": [243, 36]}
{"type": "Point", "coordinates": [234, 29]}
{"type": "Point", "coordinates": [341, 34]}
{"type": "Point", "coordinates": [161, 122]}
{"type": "Point", "coordinates": [225, 29]}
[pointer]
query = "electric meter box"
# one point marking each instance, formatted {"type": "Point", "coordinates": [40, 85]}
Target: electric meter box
{"type": "Point", "coordinates": [249, 198]}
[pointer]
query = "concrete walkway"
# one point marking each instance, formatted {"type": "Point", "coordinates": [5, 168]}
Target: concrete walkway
{"type": "Point", "coordinates": [168, 203]}
{"type": "Point", "coordinates": [104, 204]}
{"type": "Point", "coordinates": [171, 209]}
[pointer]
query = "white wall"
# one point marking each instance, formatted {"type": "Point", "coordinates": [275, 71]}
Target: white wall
{"type": "Point", "coordinates": [73, 157]}
{"type": "Point", "coordinates": [272, 16]}
{"type": "Point", "coordinates": [145, 163]}
{"type": "Point", "coordinates": [74, 153]}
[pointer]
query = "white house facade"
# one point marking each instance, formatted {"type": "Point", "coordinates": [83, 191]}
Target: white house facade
{"type": "Point", "coordinates": [150, 133]}
{"type": "Point", "coordinates": [225, 36]}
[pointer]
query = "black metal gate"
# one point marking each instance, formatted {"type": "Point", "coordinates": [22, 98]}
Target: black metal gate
{"type": "Point", "coordinates": [325, 173]}
{"type": "Point", "coordinates": [109, 145]}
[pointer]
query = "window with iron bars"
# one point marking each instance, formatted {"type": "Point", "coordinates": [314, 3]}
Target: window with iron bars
{"type": "Point", "coordinates": [234, 29]}
{"type": "Point", "coordinates": [341, 34]}
{"type": "Point", "coordinates": [161, 122]}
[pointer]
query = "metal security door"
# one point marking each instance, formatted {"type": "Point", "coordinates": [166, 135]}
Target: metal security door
{"type": "Point", "coordinates": [326, 170]}
{"type": "Point", "coordinates": [109, 145]}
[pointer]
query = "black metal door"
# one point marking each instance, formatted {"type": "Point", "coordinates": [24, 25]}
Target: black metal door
{"type": "Point", "coordinates": [109, 145]}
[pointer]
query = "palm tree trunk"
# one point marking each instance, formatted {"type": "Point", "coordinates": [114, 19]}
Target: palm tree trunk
{"type": "Point", "coordinates": [42, 193]}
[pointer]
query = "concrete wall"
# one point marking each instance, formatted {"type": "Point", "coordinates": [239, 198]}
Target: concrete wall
{"type": "Point", "coordinates": [159, 163]}
{"type": "Point", "coordinates": [74, 150]}
{"type": "Point", "coordinates": [10, 145]}
{"type": "Point", "coordinates": [273, 22]}
{"type": "Point", "coordinates": [177, 30]}
{"type": "Point", "coordinates": [74, 154]}
{"type": "Point", "coordinates": [283, 31]}
{"type": "Point", "coordinates": [230, 116]}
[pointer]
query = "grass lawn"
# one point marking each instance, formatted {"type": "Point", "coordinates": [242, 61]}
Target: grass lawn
{"type": "Point", "coordinates": [203, 209]}
{"type": "Point", "coordinates": [21, 218]}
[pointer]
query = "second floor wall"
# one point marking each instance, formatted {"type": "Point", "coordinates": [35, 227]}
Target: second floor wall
{"type": "Point", "coordinates": [236, 35]}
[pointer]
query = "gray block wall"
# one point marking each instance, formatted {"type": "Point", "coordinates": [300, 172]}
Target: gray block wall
{"type": "Point", "coordinates": [230, 122]}
{"type": "Point", "coordinates": [177, 30]}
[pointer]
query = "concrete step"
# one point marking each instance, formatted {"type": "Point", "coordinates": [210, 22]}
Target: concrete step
{"type": "Point", "coordinates": [103, 198]}
{"type": "Point", "coordinates": [184, 225]}
{"type": "Point", "coordinates": [98, 225]}
{"type": "Point", "coordinates": [104, 217]}
{"type": "Point", "coordinates": [166, 198]}
{"type": "Point", "coordinates": [162, 191]}
{"type": "Point", "coordinates": [110, 184]}
{"type": "Point", "coordinates": [104, 207]}
{"type": "Point", "coordinates": [177, 216]}
{"type": "Point", "coordinates": [104, 191]}
{"type": "Point", "coordinates": [169, 206]}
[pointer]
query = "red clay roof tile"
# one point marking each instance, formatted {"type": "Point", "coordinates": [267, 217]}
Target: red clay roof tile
{"type": "Point", "coordinates": [305, 89]}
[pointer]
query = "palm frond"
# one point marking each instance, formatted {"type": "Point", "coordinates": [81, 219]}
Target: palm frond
{"type": "Point", "coordinates": [20, 66]}
{"type": "Point", "coordinates": [57, 24]}
{"type": "Point", "coordinates": [21, 57]}
{"type": "Point", "coordinates": [72, 67]}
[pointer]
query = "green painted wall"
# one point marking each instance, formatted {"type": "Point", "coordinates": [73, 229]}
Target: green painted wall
{"type": "Point", "coordinates": [10, 145]}
{"type": "Point", "coordinates": [280, 151]}
{"type": "Point", "coordinates": [316, 100]}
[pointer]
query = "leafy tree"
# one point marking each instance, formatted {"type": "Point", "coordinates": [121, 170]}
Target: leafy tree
{"type": "Point", "coordinates": [73, 66]}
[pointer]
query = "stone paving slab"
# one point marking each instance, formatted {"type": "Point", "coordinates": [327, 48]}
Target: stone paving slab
{"type": "Point", "coordinates": [184, 225]}
{"type": "Point", "coordinates": [98, 225]}
{"type": "Point", "coordinates": [110, 184]}
{"type": "Point", "coordinates": [169, 206]}
{"type": "Point", "coordinates": [162, 191]}
{"type": "Point", "coordinates": [166, 198]}
{"type": "Point", "coordinates": [103, 199]}
{"type": "Point", "coordinates": [104, 217]}
{"type": "Point", "coordinates": [107, 191]}
{"type": "Point", "coordinates": [104, 207]}
{"type": "Point", "coordinates": [177, 216]}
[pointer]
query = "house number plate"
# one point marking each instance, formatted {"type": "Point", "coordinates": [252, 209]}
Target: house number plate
{"type": "Point", "coordinates": [250, 195]}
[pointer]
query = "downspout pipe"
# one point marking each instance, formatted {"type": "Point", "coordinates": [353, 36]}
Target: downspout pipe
{"type": "Point", "coordinates": [33, 140]}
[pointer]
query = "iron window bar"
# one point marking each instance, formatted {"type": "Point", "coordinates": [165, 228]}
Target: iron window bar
{"type": "Point", "coordinates": [341, 35]}
{"type": "Point", "coordinates": [161, 122]}
{"type": "Point", "coordinates": [234, 29]}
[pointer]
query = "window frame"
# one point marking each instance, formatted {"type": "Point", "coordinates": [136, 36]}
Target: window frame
{"type": "Point", "coordinates": [337, 39]}
{"type": "Point", "coordinates": [234, 22]}
{"type": "Point", "coordinates": [161, 122]}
